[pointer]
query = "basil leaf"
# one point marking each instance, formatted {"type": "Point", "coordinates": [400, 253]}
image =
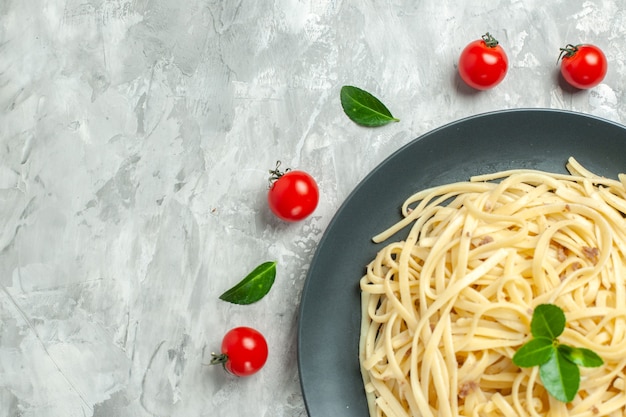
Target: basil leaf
{"type": "Point", "coordinates": [534, 352]}
{"type": "Point", "coordinates": [560, 377]}
{"type": "Point", "coordinates": [548, 321]}
{"type": "Point", "coordinates": [254, 286]}
{"type": "Point", "coordinates": [363, 108]}
{"type": "Point", "coordinates": [558, 364]}
{"type": "Point", "coordinates": [581, 356]}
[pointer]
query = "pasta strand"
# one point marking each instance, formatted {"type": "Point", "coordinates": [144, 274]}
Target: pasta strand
{"type": "Point", "coordinates": [444, 311]}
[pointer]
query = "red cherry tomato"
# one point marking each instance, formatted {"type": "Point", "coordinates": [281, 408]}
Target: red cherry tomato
{"type": "Point", "coordinates": [293, 195]}
{"type": "Point", "coordinates": [483, 63]}
{"type": "Point", "coordinates": [583, 66]}
{"type": "Point", "coordinates": [244, 351]}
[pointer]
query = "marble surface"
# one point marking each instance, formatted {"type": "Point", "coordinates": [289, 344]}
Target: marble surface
{"type": "Point", "coordinates": [136, 138]}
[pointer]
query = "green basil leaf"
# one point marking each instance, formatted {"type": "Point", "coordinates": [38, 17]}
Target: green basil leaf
{"type": "Point", "coordinates": [581, 356]}
{"type": "Point", "coordinates": [254, 286]}
{"type": "Point", "coordinates": [558, 364]}
{"type": "Point", "coordinates": [534, 352]}
{"type": "Point", "coordinates": [548, 321]}
{"type": "Point", "coordinates": [560, 377]}
{"type": "Point", "coordinates": [363, 108]}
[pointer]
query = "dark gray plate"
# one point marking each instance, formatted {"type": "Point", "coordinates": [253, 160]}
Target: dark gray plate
{"type": "Point", "coordinates": [328, 330]}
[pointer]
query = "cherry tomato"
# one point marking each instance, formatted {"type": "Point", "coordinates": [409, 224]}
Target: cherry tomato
{"type": "Point", "coordinates": [583, 66]}
{"type": "Point", "coordinates": [293, 195]}
{"type": "Point", "coordinates": [483, 63]}
{"type": "Point", "coordinates": [244, 351]}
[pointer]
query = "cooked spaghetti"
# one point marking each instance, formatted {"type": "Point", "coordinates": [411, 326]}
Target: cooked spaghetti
{"type": "Point", "coordinates": [444, 311]}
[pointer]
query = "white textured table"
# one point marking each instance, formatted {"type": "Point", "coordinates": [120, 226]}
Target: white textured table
{"type": "Point", "coordinates": [136, 139]}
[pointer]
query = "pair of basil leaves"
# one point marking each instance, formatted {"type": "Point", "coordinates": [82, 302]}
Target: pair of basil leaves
{"type": "Point", "coordinates": [362, 108]}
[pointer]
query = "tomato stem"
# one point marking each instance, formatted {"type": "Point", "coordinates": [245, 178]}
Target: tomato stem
{"type": "Point", "coordinates": [489, 40]}
{"type": "Point", "coordinates": [218, 359]}
{"type": "Point", "coordinates": [276, 173]}
{"type": "Point", "coordinates": [567, 52]}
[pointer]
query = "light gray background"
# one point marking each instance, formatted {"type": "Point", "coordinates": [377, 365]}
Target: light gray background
{"type": "Point", "coordinates": [135, 143]}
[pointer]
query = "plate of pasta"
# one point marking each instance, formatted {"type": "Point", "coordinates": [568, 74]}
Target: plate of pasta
{"type": "Point", "coordinates": [423, 286]}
